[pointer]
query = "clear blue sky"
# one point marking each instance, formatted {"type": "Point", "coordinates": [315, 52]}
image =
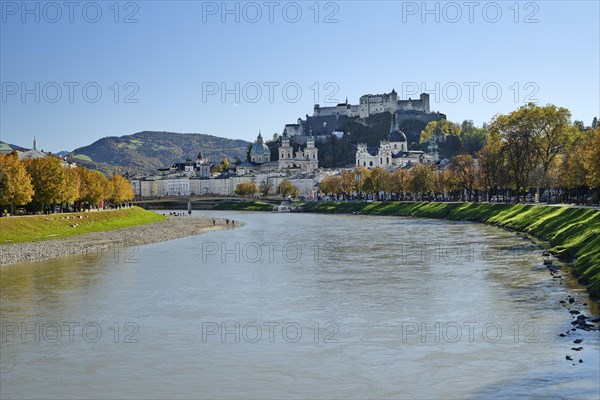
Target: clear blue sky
{"type": "Point", "coordinates": [178, 53]}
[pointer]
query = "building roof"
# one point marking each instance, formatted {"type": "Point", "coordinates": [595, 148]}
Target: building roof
{"type": "Point", "coordinates": [248, 164]}
{"type": "Point", "coordinates": [373, 150]}
{"type": "Point", "coordinates": [5, 148]}
{"type": "Point", "coordinates": [260, 148]}
{"type": "Point", "coordinates": [31, 154]}
{"type": "Point", "coordinates": [397, 136]}
{"type": "Point", "coordinates": [409, 153]}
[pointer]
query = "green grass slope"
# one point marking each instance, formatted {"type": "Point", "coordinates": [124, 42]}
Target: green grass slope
{"type": "Point", "coordinates": [45, 227]}
{"type": "Point", "coordinates": [573, 233]}
{"type": "Point", "coordinates": [244, 206]}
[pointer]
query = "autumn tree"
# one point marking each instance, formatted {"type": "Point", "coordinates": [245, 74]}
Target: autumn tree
{"type": "Point", "coordinates": [286, 188]}
{"type": "Point", "coordinates": [441, 182]}
{"type": "Point", "coordinates": [15, 184]}
{"type": "Point", "coordinates": [465, 174]}
{"type": "Point", "coordinates": [331, 184]}
{"type": "Point", "coordinates": [225, 165]}
{"type": "Point", "coordinates": [447, 135]}
{"type": "Point", "coordinates": [246, 189]}
{"type": "Point", "coordinates": [440, 129]}
{"type": "Point", "coordinates": [592, 161]}
{"type": "Point", "coordinates": [92, 184]}
{"type": "Point", "coordinates": [400, 183]}
{"type": "Point", "coordinates": [72, 186]}
{"type": "Point", "coordinates": [361, 174]}
{"type": "Point", "coordinates": [577, 167]}
{"type": "Point", "coordinates": [348, 184]}
{"type": "Point", "coordinates": [421, 179]}
{"type": "Point", "coordinates": [265, 188]}
{"type": "Point", "coordinates": [380, 181]}
{"type": "Point", "coordinates": [48, 180]}
{"type": "Point", "coordinates": [119, 190]}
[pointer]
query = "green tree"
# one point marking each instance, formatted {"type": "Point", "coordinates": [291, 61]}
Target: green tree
{"type": "Point", "coordinates": [551, 133]}
{"type": "Point", "coordinates": [472, 138]}
{"type": "Point", "coordinates": [517, 132]}
{"type": "Point", "coordinates": [579, 125]}
{"type": "Point", "coordinates": [532, 136]}
{"type": "Point", "coordinates": [15, 184]}
{"type": "Point", "coordinates": [492, 165]}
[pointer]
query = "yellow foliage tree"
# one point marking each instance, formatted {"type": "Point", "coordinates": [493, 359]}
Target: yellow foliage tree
{"type": "Point", "coordinates": [592, 160]}
{"type": "Point", "coordinates": [400, 183]}
{"type": "Point", "coordinates": [92, 186]}
{"type": "Point", "coordinates": [421, 179]}
{"type": "Point", "coordinates": [286, 188]}
{"type": "Point", "coordinates": [246, 189]}
{"type": "Point", "coordinates": [119, 190]}
{"type": "Point", "coordinates": [48, 180]}
{"type": "Point", "coordinates": [15, 184]}
{"type": "Point", "coordinates": [331, 185]}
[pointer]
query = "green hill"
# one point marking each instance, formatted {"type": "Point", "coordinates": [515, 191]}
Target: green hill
{"type": "Point", "coordinates": [146, 151]}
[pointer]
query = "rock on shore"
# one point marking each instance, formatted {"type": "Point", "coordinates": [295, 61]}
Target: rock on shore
{"type": "Point", "coordinates": [91, 243]}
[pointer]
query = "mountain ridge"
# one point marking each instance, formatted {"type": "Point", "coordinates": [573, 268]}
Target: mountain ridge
{"type": "Point", "coordinates": [146, 151]}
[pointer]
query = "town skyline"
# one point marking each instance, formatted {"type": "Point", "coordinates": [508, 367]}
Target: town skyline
{"type": "Point", "coordinates": [169, 79]}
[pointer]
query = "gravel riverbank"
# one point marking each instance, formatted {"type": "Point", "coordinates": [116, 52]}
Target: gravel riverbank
{"type": "Point", "coordinates": [91, 245]}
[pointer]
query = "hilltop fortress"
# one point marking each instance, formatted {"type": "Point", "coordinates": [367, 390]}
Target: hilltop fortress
{"type": "Point", "coordinates": [370, 104]}
{"type": "Point", "coordinates": [327, 121]}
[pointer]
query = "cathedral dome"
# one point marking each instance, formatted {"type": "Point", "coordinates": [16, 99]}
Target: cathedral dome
{"type": "Point", "coordinates": [397, 136]}
{"type": "Point", "coordinates": [260, 148]}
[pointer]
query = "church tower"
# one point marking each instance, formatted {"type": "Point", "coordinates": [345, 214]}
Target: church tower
{"type": "Point", "coordinates": [286, 152]}
{"type": "Point", "coordinates": [312, 154]}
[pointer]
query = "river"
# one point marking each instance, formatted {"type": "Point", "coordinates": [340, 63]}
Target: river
{"type": "Point", "coordinates": [300, 306]}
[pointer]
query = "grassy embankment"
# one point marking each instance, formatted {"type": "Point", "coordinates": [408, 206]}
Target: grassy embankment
{"type": "Point", "coordinates": [244, 206]}
{"type": "Point", "coordinates": [45, 227]}
{"type": "Point", "coordinates": [572, 232]}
